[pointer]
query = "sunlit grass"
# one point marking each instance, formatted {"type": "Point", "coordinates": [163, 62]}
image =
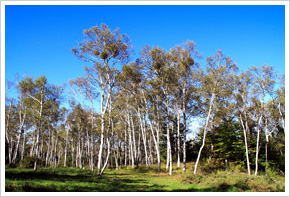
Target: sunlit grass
{"type": "Point", "coordinates": [139, 179]}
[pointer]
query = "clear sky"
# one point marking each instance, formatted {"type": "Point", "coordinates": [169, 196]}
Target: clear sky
{"type": "Point", "coordinates": [39, 38]}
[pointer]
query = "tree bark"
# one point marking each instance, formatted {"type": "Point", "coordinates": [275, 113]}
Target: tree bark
{"type": "Point", "coordinates": [246, 145]}
{"type": "Point", "coordinates": [38, 133]}
{"type": "Point", "coordinates": [23, 147]}
{"type": "Point", "coordinates": [257, 145]}
{"type": "Point", "coordinates": [178, 138]}
{"type": "Point", "coordinates": [184, 125]}
{"type": "Point", "coordinates": [143, 131]}
{"type": "Point", "coordinates": [108, 142]}
{"type": "Point", "coordinates": [169, 160]}
{"type": "Point", "coordinates": [7, 135]}
{"type": "Point", "coordinates": [204, 132]}
{"type": "Point", "coordinates": [125, 147]}
{"type": "Point", "coordinates": [282, 117]}
{"type": "Point", "coordinates": [184, 135]}
{"type": "Point", "coordinates": [92, 140]}
{"type": "Point", "coordinates": [130, 142]}
{"type": "Point", "coordinates": [16, 148]}
{"type": "Point", "coordinates": [65, 150]}
{"type": "Point", "coordinates": [134, 139]}
{"type": "Point", "coordinates": [155, 138]}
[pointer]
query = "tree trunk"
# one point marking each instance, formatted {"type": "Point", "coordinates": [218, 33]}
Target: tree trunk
{"type": "Point", "coordinates": [32, 143]}
{"type": "Point", "coordinates": [257, 145]}
{"type": "Point", "coordinates": [184, 136]}
{"type": "Point", "coordinates": [38, 132]}
{"type": "Point", "coordinates": [41, 149]}
{"type": "Point", "coordinates": [51, 150]}
{"type": "Point", "coordinates": [266, 162]}
{"type": "Point", "coordinates": [246, 145]}
{"type": "Point", "coordinates": [184, 125]}
{"type": "Point", "coordinates": [204, 132]}
{"type": "Point", "coordinates": [16, 148]}
{"type": "Point", "coordinates": [155, 139]}
{"type": "Point", "coordinates": [169, 160]}
{"type": "Point", "coordinates": [65, 150]}
{"type": "Point", "coordinates": [92, 151]}
{"type": "Point", "coordinates": [125, 147]}
{"type": "Point", "coordinates": [23, 147]}
{"type": "Point", "coordinates": [101, 145]}
{"type": "Point", "coordinates": [134, 139]}
{"type": "Point", "coordinates": [120, 151]}
{"type": "Point", "coordinates": [116, 157]}
{"type": "Point", "coordinates": [81, 152]}
{"type": "Point", "coordinates": [150, 160]}
{"type": "Point", "coordinates": [178, 138]}
{"type": "Point", "coordinates": [92, 142]}
{"type": "Point", "coordinates": [138, 150]}
{"type": "Point", "coordinates": [108, 143]}
{"type": "Point", "coordinates": [21, 130]}
{"type": "Point", "coordinates": [282, 117]}
{"type": "Point", "coordinates": [10, 149]}
{"type": "Point", "coordinates": [72, 152]}
{"type": "Point", "coordinates": [170, 157]}
{"type": "Point", "coordinates": [107, 158]}
{"type": "Point", "coordinates": [143, 131]}
{"type": "Point", "coordinates": [7, 135]}
{"type": "Point", "coordinates": [36, 151]}
{"type": "Point", "coordinates": [130, 142]}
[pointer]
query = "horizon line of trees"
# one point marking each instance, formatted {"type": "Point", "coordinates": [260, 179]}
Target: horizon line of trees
{"type": "Point", "coordinates": [145, 109]}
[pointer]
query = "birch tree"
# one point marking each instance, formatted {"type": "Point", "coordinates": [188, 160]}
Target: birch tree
{"type": "Point", "coordinates": [244, 85]}
{"type": "Point", "coordinates": [104, 49]}
{"type": "Point", "coordinates": [36, 90]}
{"type": "Point", "coordinates": [263, 86]}
{"type": "Point", "coordinates": [215, 84]}
{"type": "Point", "coordinates": [184, 57]}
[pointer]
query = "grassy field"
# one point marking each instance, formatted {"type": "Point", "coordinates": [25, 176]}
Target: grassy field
{"type": "Point", "coordinates": [137, 180]}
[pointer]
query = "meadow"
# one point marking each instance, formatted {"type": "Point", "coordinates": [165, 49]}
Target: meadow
{"type": "Point", "coordinates": [139, 179]}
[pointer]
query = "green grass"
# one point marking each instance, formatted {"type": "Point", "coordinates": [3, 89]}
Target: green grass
{"type": "Point", "coordinates": [136, 180]}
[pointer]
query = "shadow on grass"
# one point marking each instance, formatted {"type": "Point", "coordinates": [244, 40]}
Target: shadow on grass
{"type": "Point", "coordinates": [221, 187]}
{"type": "Point", "coordinates": [48, 181]}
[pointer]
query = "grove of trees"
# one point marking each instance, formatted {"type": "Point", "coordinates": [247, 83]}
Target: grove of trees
{"type": "Point", "coordinates": [130, 113]}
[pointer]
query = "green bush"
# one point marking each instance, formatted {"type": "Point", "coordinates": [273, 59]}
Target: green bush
{"type": "Point", "coordinates": [28, 162]}
{"type": "Point", "coordinates": [212, 166]}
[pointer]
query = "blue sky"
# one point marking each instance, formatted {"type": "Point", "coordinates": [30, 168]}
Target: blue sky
{"type": "Point", "coordinates": [38, 39]}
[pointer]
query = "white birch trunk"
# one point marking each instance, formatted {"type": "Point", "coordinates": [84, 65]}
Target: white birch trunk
{"type": "Point", "coordinates": [184, 138]}
{"type": "Point", "coordinates": [32, 143]}
{"type": "Point", "coordinates": [7, 135]}
{"type": "Point", "coordinates": [92, 140]}
{"type": "Point", "coordinates": [282, 117]}
{"type": "Point", "coordinates": [38, 133]}
{"type": "Point", "coordinates": [169, 160]}
{"type": "Point", "coordinates": [134, 139]}
{"type": "Point", "coordinates": [246, 145]}
{"type": "Point", "coordinates": [155, 138]}
{"type": "Point", "coordinates": [65, 150]}
{"type": "Point", "coordinates": [125, 147]}
{"type": "Point", "coordinates": [185, 126]}
{"type": "Point", "coordinates": [204, 132]}
{"type": "Point", "coordinates": [257, 145]}
{"type": "Point", "coordinates": [178, 138]}
{"type": "Point", "coordinates": [143, 131]}
{"type": "Point", "coordinates": [130, 142]}
{"type": "Point", "coordinates": [16, 148]}
{"type": "Point", "coordinates": [102, 136]}
{"type": "Point", "coordinates": [23, 147]}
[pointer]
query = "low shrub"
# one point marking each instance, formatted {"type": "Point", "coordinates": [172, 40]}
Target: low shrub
{"type": "Point", "coordinates": [28, 162]}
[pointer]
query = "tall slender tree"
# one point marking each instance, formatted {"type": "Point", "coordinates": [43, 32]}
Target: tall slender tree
{"type": "Point", "coordinates": [217, 83]}
{"type": "Point", "coordinates": [104, 49]}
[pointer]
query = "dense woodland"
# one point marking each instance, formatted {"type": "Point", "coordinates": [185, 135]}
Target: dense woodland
{"type": "Point", "coordinates": [130, 113]}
